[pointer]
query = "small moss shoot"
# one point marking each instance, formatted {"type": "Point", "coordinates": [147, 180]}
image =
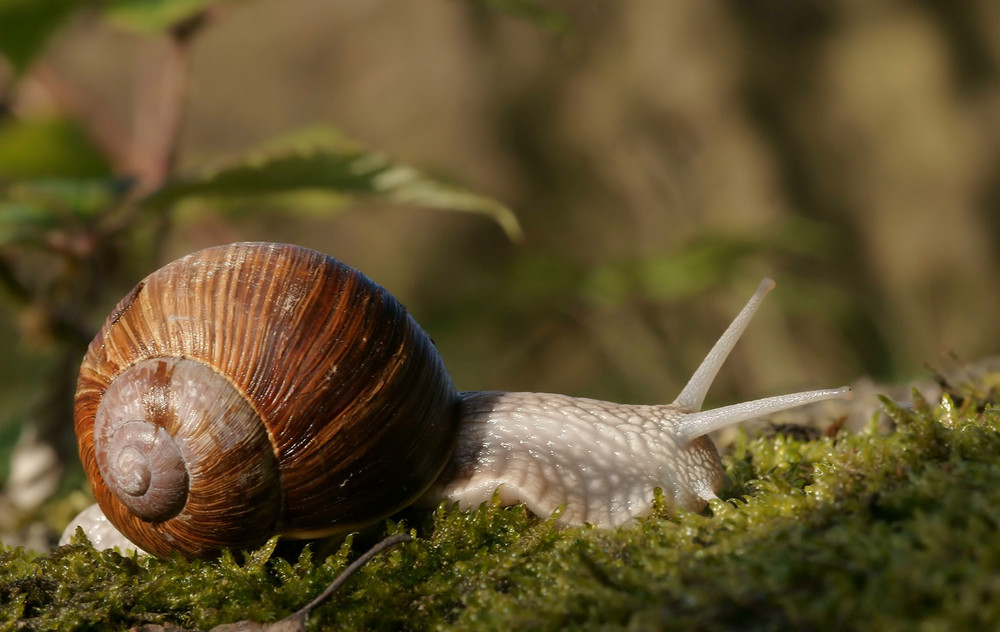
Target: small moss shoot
{"type": "Point", "coordinates": [866, 531]}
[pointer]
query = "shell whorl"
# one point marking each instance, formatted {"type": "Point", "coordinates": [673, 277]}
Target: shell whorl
{"type": "Point", "coordinates": [143, 466]}
{"type": "Point", "coordinates": [153, 426]}
{"type": "Point", "coordinates": [317, 366]}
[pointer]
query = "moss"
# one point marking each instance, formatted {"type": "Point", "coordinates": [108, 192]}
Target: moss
{"type": "Point", "coordinates": [854, 532]}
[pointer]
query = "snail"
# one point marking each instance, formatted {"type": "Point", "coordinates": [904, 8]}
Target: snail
{"type": "Point", "coordinates": [256, 389]}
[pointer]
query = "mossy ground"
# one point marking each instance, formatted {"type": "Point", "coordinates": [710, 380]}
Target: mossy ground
{"type": "Point", "coordinates": [867, 531]}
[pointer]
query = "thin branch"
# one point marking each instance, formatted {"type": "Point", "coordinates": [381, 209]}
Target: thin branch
{"type": "Point", "coordinates": [148, 151]}
{"type": "Point", "coordinates": [161, 93]}
{"type": "Point", "coordinates": [388, 542]}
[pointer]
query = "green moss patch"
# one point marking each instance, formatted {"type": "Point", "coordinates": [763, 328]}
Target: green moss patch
{"type": "Point", "coordinates": [864, 531]}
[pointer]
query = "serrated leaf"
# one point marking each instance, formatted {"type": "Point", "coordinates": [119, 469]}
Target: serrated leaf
{"type": "Point", "coordinates": [25, 27]}
{"type": "Point", "coordinates": [323, 161]}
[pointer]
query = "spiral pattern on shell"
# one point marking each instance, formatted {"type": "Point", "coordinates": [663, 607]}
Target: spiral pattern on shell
{"type": "Point", "coordinates": [255, 389]}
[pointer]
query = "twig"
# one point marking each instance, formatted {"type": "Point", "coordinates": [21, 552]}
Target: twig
{"type": "Point", "coordinates": [350, 570]}
{"type": "Point", "coordinates": [160, 94]}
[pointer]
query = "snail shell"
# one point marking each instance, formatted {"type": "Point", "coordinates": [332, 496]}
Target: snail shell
{"type": "Point", "coordinates": [255, 389]}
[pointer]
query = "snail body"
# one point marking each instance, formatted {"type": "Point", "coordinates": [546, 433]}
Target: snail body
{"type": "Point", "coordinates": [258, 389]}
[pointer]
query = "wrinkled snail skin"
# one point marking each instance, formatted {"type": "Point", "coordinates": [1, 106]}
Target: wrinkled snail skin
{"type": "Point", "coordinates": [598, 461]}
{"type": "Point", "coordinates": [257, 389]}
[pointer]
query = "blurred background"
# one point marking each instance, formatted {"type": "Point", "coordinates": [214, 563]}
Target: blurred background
{"type": "Point", "coordinates": [660, 159]}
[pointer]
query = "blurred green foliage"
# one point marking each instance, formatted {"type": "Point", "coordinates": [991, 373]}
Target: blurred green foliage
{"type": "Point", "coordinates": [40, 148]}
{"type": "Point", "coordinates": [148, 17]}
{"type": "Point", "coordinates": [25, 26]}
